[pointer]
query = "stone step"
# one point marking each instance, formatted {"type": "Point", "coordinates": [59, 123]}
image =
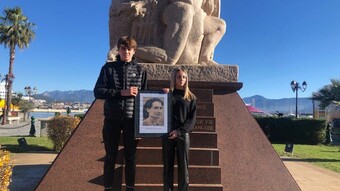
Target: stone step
{"type": "Point", "coordinates": [197, 156]}
{"type": "Point", "coordinates": [192, 187]}
{"type": "Point", "coordinates": [153, 174]}
{"type": "Point", "coordinates": [197, 140]}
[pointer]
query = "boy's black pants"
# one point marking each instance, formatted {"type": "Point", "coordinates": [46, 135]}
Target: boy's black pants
{"type": "Point", "coordinates": [111, 135]}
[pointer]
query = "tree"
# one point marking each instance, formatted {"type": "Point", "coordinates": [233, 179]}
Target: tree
{"type": "Point", "coordinates": [16, 99]}
{"type": "Point", "coordinates": [25, 107]}
{"type": "Point", "coordinates": [328, 93]}
{"type": "Point", "coordinates": [15, 31]}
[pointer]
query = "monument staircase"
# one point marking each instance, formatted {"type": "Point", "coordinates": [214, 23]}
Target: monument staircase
{"type": "Point", "coordinates": [204, 169]}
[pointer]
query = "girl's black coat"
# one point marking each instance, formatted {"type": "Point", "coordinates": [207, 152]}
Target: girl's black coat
{"type": "Point", "coordinates": [184, 112]}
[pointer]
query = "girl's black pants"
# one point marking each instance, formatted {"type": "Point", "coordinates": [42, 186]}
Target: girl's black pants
{"type": "Point", "coordinates": [180, 147]}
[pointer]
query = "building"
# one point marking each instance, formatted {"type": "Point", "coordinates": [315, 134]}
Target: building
{"type": "Point", "coordinates": [2, 90]}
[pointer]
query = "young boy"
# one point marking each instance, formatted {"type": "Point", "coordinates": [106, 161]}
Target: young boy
{"type": "Point", "coordinates": [118, 83]}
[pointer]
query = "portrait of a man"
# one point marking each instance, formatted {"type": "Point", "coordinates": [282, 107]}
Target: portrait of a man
{"type": "Point", "coordinates": [153, 114]}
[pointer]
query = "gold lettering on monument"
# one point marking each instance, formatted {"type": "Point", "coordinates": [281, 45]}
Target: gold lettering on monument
{"type": "Point", "coordinates": [205, 124]}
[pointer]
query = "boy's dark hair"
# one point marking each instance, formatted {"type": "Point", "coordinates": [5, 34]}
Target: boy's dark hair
{"type": "Point", "coordinates": [127, 42]}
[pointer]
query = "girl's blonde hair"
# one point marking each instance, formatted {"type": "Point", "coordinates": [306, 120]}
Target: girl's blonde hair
{"type": "Point", "coordinates": [188, 95]}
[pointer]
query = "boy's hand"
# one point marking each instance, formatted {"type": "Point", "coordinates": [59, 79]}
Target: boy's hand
{"type": "Point", "coordinates": [132, 91]}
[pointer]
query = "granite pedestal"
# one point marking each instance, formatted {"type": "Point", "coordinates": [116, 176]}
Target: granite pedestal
{"type": "Point", "coordinates": [228, 150]}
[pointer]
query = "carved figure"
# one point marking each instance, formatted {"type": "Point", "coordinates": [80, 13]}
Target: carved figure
{"type": "Point", "coordinates": [169, 31]}
{"type": "Point", "coordinates": [133, 18]}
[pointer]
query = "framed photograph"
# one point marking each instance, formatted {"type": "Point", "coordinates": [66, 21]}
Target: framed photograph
{"type": "Point", "coordinates": [153, 114]}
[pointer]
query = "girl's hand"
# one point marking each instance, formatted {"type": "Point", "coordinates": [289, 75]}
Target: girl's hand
{"type": "Point", "coordinates": [166, 90]}
{"type": "Point", "coordinates": [173, 134]}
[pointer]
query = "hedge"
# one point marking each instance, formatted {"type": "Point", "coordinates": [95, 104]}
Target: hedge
{"type": "Point", "coordinates": [291, 130]}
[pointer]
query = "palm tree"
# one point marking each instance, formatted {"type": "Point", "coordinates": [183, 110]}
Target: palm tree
{"type": "Point", "coordinates": [15, 31]}
{"type": "Point", "coordinates": [328, 93]}
{"type": "Point", "coordinates": [25, 107]}
{"type": "Point", "coordinates": [16, 99]}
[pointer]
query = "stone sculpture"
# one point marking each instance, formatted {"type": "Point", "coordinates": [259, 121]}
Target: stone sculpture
{"type": "Point", "coordinates": [168, 31]}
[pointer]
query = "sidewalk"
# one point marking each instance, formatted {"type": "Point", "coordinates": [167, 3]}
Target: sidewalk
{"type": "Point", "coordinates": [312, 178]}
{"type": "Point", "coordinates": [19, 129]}
{"type": "Point", "coordinates": [30, 167]}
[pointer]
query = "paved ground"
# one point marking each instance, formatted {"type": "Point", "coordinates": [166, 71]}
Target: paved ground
{"type": "Point", "coordinates": [312, 178]}
{"type": "Point", "coordinates": [30, 167]}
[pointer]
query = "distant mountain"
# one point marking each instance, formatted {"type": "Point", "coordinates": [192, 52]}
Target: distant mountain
{"type": "Point", "coordinates": [83, 96]}
{"type": "Point", "coordinates": [284, 105]}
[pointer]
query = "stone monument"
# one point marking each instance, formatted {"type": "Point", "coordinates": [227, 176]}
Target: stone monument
{"type": "Point", "coordinates": [228, 149]}
{"type": "Point", "coordinates": [169, 31]}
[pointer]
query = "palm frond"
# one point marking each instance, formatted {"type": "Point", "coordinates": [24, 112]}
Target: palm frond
{"type": "Point", "coordinates": [328, 93]}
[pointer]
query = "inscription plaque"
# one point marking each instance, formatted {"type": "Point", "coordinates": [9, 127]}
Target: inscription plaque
{"type": "Point", "coordinates": [205, 124]}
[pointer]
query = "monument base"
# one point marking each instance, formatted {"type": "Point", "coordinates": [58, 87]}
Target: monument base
{"type": "Point", "coordinates": [228, 149]}
{"type": "Point", "coordinates": [213, 73]}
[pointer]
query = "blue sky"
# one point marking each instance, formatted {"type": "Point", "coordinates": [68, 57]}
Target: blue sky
{"type": "Point", "coordinates": [272, 41]}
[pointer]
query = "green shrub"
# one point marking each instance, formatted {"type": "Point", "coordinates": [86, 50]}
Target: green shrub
{"type": "Point", "coordinates": [80, 116]}
{"type": "Point", "coordinates": [291, 130]}
{"type": "Point", "coordinates": [60, 129]}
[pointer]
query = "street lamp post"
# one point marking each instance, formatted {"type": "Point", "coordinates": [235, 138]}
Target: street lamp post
{"type": "Point", "coordinates": [29, 91]}
{"type": "Point", "coordinates": [295, 87]}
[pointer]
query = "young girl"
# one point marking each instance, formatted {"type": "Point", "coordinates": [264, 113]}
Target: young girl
{"type": "Point", "coordinates": [177, 141]}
